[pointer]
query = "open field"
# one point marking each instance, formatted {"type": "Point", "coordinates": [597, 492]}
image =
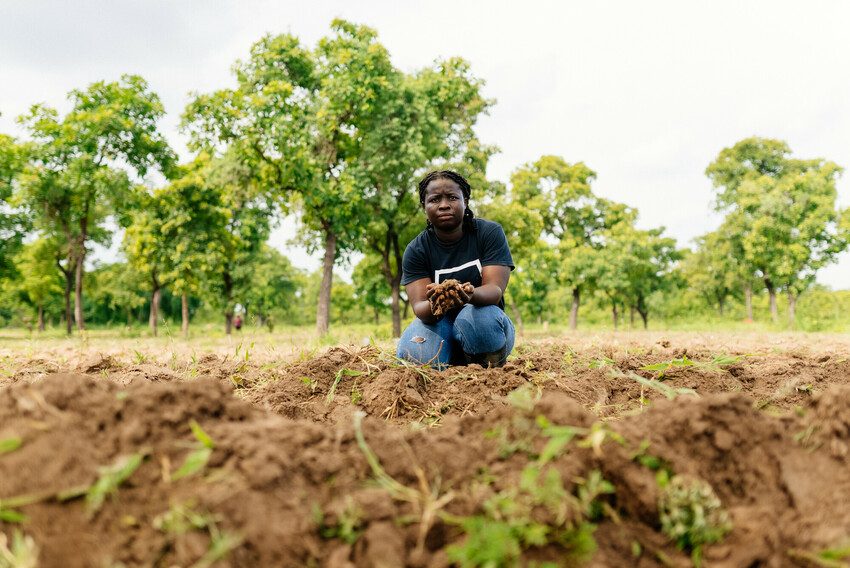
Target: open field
{"type": "Point", "coordinates": [600, 449]}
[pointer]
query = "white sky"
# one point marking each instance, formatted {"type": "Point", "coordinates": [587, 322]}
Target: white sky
{"type": "Point", "coordinates": [646, 93]}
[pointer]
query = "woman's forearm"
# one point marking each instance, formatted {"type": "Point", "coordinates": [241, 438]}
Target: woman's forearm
{"type": "Point", "coordinates": [486, 295]}
{"type": "Point", "coordinates": [422, 310]}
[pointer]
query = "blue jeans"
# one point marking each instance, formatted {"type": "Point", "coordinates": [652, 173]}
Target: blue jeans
{"type": "Point", "coordinates": [471, 330]}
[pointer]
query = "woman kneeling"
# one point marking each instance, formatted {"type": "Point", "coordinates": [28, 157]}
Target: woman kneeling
{"type": "Point", "coordinates": [455, 273]}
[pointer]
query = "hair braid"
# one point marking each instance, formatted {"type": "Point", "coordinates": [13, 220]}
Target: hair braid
{"type": "Point", "coordinates": [466, 190]}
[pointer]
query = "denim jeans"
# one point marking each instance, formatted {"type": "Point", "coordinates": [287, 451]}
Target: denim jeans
{"type": "Point", "coordinates": [471, 330]}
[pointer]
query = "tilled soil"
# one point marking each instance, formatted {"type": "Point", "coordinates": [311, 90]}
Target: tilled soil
{"type": "Point", "coordinates": [287, 482]}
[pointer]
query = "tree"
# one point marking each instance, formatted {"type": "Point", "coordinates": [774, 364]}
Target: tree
{"type": "Point", "coordinates": [237, 226]}
{"type": "Point", "coordinates": [785, 211]}
{"type": "Point", "coordinates": [295, 121]}
{"type": "Point", "coordinates": [571, 214]}
{"type": "Point", "coordinates": [535, 259]}
{"type": "Point", "coordinates": [267, 281]}
{"type": "Point", "coordinates": [713, 270]}
{"type": "Point", "coordinates": [370, 284]}
{"type": "Point", "coordinates": [146, 249]}
{"type": "Point", "coordinates": [632, 265]}
{"type": "Point", "coordinates": [80, 167]}
{"type": "Point", "coordinates": [39, 281]}
{"type": "Point", "coordinates": [14, 224]}
{"type": "Point", "coordinates": [117, 293]}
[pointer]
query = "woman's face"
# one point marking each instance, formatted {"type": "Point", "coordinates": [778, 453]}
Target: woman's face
{"type": "Point", "coordinates": [444, 204]}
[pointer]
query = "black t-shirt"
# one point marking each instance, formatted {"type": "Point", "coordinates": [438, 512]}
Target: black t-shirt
{"type": "Point", "coordinates": [428, 257]}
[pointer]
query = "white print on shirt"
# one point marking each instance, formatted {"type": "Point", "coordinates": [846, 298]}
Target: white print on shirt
{"type": "Point", "coordinates": [439, 273]}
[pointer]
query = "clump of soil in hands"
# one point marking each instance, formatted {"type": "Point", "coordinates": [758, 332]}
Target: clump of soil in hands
{"type": "Point", "coordinates": [449, 295]}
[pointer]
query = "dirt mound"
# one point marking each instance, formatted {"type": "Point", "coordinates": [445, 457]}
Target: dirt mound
{"type": "Point", "coordinates": [828, 422]}
{"type": "Point", "coordinates": [178, 472]}
{"type": "Point", "coordinates": [331, 387]}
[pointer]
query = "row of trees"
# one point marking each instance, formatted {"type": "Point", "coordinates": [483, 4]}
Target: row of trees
{"type": "Point", "coordinates": [338, 136]}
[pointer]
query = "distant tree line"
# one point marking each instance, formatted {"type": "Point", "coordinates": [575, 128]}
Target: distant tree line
{"type": "Point", "coordinates": [338, 136]}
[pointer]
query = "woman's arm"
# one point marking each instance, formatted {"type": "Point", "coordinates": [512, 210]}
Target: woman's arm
{"type": "Point", "coordinates": [418, 294]}
{"type": "Point", "coordinates": [494, 281]}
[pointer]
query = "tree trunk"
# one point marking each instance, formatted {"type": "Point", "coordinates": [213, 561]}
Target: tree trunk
{"type": "Point", "coordinates": [518, 318]}
{"type": "Point", "coordinates": [721, 304]}
{"type": "Point", "coordinates": [748, 300]}
{"type": "Point", "coordinates": [574, 309]}
{"type": "Point", "coordinates": [153, 319]}
{"type": "Point", "coordinates": [771, 291]}
{"type": "Point", "coordinates": [614, 315]}
{"type": "Point", "coordinates": [377, 315]}
{"type": "Point", "coordinates": [69, 285]}
{"type": "Point", "coordinates": [631, 317]}
{"type": "Point", "coordinates": [228, 302]}
{"type": "Point", "coordinates": [40, 317]}
{"type": "Point", "coordinates": [184, 312]}
{"type": "Point", "coordinates": [78, 291]}
{"type": "Point", "coordinates": [395, 298]}
{"type": "Point", "coordinates": [324, 308]}
{"type": "Point", "coordinates": [792, 309]}
{"type": "Point", "coordinates": [644, 315]}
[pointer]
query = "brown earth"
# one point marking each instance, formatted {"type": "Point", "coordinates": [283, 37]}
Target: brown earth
{"type": "Point", "coordinates": [288, 484]}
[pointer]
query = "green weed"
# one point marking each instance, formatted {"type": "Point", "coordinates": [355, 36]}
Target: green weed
{"type": "Point", "coordinates": [601, 363]}
{"type": "Point", "coordinates": [512, 520]}
{"type": "Point", "coordinates": [197, 458]}
{"type": "Point", "coordinates": [139, 357]}
{"type": "Point", "coordinates": [310, 382]}
{"type": "Point", "coordinates": [669, 392]}
{"type": "Point", "coordinates": [692, 515]}
{"type": "Point", "coordinates": [180, 519]}
{"type": "Point", "coordinates": [21, 552]}
{"type": "Point", "coordinates": [337, 379]}
{"type": "Point", "coordinates": [425, 500]}
{"type": "Point", "coordinates": [111, 477]}
{"type": "Point", "coordinates": [715, 365]}
{"type": "Point", "coordinates": [8, 445]}
{"type": "Point", "coordinates": [837, 557]}
{"type": "Point", "coordinates": [349, 525]}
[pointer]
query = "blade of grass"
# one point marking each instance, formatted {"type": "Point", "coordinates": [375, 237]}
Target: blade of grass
{"type": "Point", "coordinates": [8, 445]}
{"type": "Point", "coordinates": [111, 477]}
{"type": "Point", "coordinates": [195, 462]}
{"type": "Point", "coordinates": [338, 378]}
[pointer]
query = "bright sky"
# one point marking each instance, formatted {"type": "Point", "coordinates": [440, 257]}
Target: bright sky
{"type": "Point", "coordinates": [645, 93]}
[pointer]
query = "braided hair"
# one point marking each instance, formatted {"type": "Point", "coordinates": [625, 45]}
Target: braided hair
{"type": "Point", "coordinates": [466, 190]}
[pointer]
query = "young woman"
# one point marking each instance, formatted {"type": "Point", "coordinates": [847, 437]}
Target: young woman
{"type": "Point", "coordinates": [456, 245]}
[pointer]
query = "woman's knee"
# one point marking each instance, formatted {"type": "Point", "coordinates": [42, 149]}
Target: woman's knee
{"type": "Point", "coordinates": [425, 344]}
{"type": "Point", "coordinates": [481, 329]}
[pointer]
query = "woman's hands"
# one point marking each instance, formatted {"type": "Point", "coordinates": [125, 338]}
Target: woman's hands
{"type": "Point", "coordinates": [448, 295]}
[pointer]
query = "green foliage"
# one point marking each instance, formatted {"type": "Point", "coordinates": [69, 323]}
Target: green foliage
{"type": "Point", "coordinates": [111, 477]}
{"type": "Point", "coordinates": [512, 521]}
{"type": "Point", "coordinates": [8, 445]}
{"type": "Point", "coordinates": [348, 526]}
{"type": "Point", "coordinates": [78, 172]}
{"type": "Point", "coordinates": [22, 552]}
{"type": "Point", "coordinates": [197, 459]}
{"type": "Point", "coordinates": [339, 375]}
{"type": "Point", "coordinates": [691, 514]}
{"type": "Point", "coordinates": [781, 213]}
{"type": "Point", "coordinates": [183, 518]}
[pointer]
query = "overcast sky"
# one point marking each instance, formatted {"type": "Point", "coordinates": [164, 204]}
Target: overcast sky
{"type": "Point", "coordinates": [645, 93]}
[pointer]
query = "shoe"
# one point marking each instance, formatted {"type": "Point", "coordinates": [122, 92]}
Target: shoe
{"type": "Point", "coordinates": [492, 359]}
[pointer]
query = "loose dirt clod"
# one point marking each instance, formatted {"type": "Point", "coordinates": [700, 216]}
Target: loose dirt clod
{"type": "Point", "coordinates": [447, 296]}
